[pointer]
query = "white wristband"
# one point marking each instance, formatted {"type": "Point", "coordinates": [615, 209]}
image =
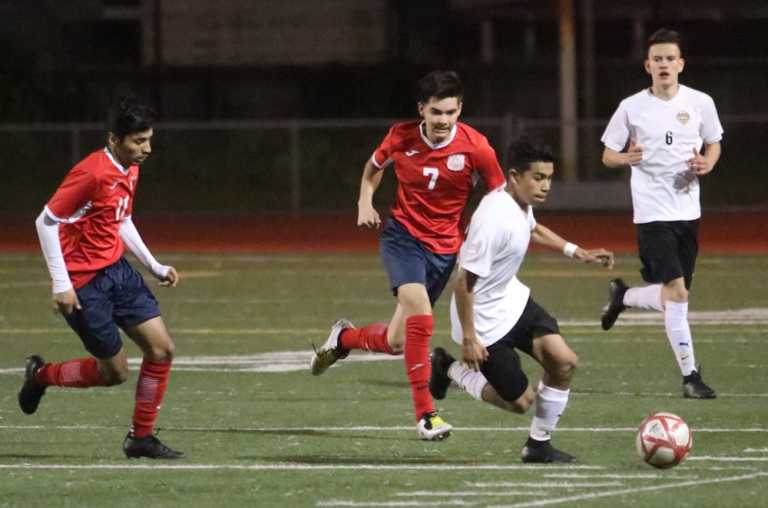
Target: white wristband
{"type": "Point", "coordinates": [570, 249]}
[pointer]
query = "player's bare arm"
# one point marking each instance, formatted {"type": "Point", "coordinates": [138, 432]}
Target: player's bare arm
{"type": "Point", "coordinates": [542, 235]}
{"type": "Point", "coordinates": [472, 350]}
{"type": "Point", "coordinates": [703, 163]}
{"type": "Point", "coordinates": [366, 214]}
{"type": "Point", "coordinates": [632, 157]}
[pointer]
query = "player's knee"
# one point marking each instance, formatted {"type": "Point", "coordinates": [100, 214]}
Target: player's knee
{"type": "Point", "coordinates": [562, 372]}
{"type": "Point", "coordinates": [115, 376]}
{"type": "Point", "coordinates": [396, 340]}
{"type": "Point", "coordinates": [523, 403]}
{"type": "Point", "coordinates": [677, 292]}
{"type": "Point", "coordinates": [566, 368]}
{"type": "Point", "coordinates": [162, 353]}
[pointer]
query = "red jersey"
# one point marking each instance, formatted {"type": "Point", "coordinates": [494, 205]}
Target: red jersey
{"type": "Point", "coordinates": [434, 181]}
{"type": "Point", "coordinates": [91, 202]}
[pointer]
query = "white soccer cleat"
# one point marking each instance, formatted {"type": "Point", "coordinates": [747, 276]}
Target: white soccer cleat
{"type": "Point", "coordinates": [329, 353]}
{"type": "Point", "coordinates": [433, 428]}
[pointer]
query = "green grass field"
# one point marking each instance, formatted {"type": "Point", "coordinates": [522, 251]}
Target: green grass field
{"type": "Point", "coordinates": [259, 430]}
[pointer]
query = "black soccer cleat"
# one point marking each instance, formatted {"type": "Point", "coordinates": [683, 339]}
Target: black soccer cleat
{"type": "Point", "coordinates": [616, 290]}
{"type": "Point", "coordinates": [542, 452]}
{"type": "Point", "coordinates": [695, 388]}
{"type": "Point", "coordinates": [439, 380]}
{"type": "Point", "coordinates": [31, 391]}
{"type": "Point", "coordinates": [150, 447]}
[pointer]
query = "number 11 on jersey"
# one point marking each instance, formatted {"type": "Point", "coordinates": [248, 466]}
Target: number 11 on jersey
{"type": "Point", "coordinates": [122, 207]}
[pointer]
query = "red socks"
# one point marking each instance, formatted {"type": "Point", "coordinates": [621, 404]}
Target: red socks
{"type": "Point", "coordinates": [84, 372]}
{"type": "Point", "coordinates": [418, 332]}
{"type": "Point", "coordinates": [78, 373]}
{"type": "Point", "coordinates": [153, 380]}
{"type": "Point", "coordinates": [368, 338]}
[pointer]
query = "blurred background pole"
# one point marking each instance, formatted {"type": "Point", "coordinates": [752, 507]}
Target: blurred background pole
{"type": "Point", "coordinates": [568, 116]}
{"type": "Point", "coordinates": [588, 90]}
{"type": "Point", "coordinates": [295, 158]}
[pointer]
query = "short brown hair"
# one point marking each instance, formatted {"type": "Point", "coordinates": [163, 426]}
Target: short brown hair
{"type": "Point", "coordinates": [440, 85]}
{"type": "Point", "coordinates": [664, 36]}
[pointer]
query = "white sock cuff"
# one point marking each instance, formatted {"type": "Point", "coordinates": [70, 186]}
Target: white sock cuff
{"type": "Point", "coordinates": [551, 393]}
{"type": "Point", "coordinates": [677, 308]}
{"type": "Point", "coordinates": [456, 370]}
{"type": "Point", "coordinates": [469, 380]}
{"type": "Point", "coordinates": [648, 297]}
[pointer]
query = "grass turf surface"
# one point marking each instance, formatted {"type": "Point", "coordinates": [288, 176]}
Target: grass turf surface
{"type": "Point", "coordinates": [260, 431]}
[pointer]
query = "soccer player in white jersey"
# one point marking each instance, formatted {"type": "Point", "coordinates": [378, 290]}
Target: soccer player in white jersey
{"type": "Point", "coordinates": [672, 134]}
{"type": "Point", "coordinates": [492, 313]}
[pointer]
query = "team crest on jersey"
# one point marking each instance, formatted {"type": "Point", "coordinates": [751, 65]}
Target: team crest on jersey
{"type": "Point", "coordinates": [455, 162]}
{"type": "Point", "coordinates": [683, 117]}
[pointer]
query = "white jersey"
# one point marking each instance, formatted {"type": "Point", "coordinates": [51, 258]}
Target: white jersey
{"type": "Point", "coordinates": [495, 247]}
{"type": "Point", "coordinates": [663, 189]}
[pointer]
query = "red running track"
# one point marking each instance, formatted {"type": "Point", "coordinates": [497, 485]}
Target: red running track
{"type": "Point", "coordinates": [743, 232]}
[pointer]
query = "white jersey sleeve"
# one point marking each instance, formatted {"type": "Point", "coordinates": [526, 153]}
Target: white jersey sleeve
{"type": "Point", "coordinates": [618, 131]}
{"type": "Point", "coordinates": [711, 129]}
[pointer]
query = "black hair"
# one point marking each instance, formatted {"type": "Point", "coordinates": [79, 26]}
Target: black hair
{"type": "Point", "coordinates": [440, 85]}
{"type": "Point", "coordinates": [523, 152]}
{"type": "Point", "coordinates": [664, 36]}
{"type": "Point", "coordinates": [130, 115]}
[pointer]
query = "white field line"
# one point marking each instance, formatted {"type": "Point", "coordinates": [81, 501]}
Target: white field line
{"type": "Point", "coordinates": [396, 504]}
{"type": "Point", "coordinates": [370, 428]}
{"type": "Point", "coordinates": [24, 284]}
{"type": "Point", "coordinates": [714, 458]}
{"type": "Point", "coordinates": [633, 490]}
{"type": "Point", "coordinates": [290, 467]}
{"type": "Point", "coordinates": [278, 301]}
{"type": "Point", "coordinates": [470, 493]}
{"type": "Point", "coordinates": [756, 450]}
{"type": "Point", "coordinates": [675, 395]}
{"type": "Point", "coordinates": [311, 332]}
{"type": "Point", "coordinates": [631, 476]}
{"type": "Point", "coordinates": [297, 361]}
{"type": "Point", "coordinates": [546, 485]}
{"type": "Point", "coordinates": [724, 317]}
{"type": "Point", "coordinates": [293, 361]}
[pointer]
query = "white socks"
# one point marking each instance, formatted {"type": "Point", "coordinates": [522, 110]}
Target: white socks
{"type": "Point", "coordinates": [679, 335]}
{"type": "Point", "coordinates": [550, 402]}
{"type": "Point", "coordinates": [648, 297]}
{"type": "Point", "coordinates": [675, 322]}
{"type": "Point", "coordinates": [469, 380]}
{"type": "Point", "coordinates": [550, 405]}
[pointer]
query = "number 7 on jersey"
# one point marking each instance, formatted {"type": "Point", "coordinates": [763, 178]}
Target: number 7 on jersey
{"type": "Point", "coordinates": [432, 173]}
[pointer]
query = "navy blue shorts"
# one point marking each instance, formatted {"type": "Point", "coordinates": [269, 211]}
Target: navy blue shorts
{"type": "Point", "coordinates": [407, 261]}
{"type": "Point", "coordinates": [117, 296]}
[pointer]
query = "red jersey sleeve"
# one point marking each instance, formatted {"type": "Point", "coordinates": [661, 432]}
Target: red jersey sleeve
{"type": "Point", "coordinates": [74, 192]}
{"type": "Point", "coordinates": [488, 167]}
{"type": "Point", "coordinates": [382, 156]}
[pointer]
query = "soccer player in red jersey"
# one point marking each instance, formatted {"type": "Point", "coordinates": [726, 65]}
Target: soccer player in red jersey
{"type": "Point", "coordinates": [83, 231]}
{"type": "Point", "coordinates": [436, 161]}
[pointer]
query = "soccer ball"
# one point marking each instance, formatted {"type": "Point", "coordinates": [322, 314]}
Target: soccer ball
{"type": "Point", "coordinates": [663, 440]}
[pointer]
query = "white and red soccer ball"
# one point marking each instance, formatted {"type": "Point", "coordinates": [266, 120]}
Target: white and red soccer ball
{"type": "Point", "coordinates": [663, 440]}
